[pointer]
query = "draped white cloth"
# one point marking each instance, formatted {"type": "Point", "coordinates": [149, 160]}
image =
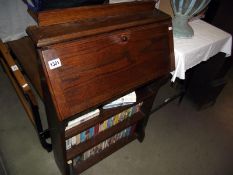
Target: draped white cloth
{"type": "Point", "coordinates": [206, 42]}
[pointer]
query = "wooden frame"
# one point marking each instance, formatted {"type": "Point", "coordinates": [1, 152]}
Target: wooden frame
{"type": "Point", "coordinates": [25, 94]}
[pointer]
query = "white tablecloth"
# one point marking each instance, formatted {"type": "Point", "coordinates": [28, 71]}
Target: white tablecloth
{"type": "Point", "coordinates": [206, 42]}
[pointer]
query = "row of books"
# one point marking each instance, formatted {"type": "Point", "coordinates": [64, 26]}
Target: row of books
{"type": "Point", "coordinates": [93, 131]}
{"type": "Point", "coordinates": [125, 100]}
{"type": "Point", "coordinates": [103, 145]}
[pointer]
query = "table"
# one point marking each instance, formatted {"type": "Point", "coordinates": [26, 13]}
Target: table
{"type": "Point", "coordinates": [207, 42]}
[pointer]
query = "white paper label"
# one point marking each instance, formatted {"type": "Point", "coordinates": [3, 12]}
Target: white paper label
{"type": "Point", "coordinates": [69, 162]}
{"type": "Point", "coordinates": [55, 63]}
{"type": "Point", "coordinates": [25, 85]}
{"type": "Point", "coordinates": [14, 68]}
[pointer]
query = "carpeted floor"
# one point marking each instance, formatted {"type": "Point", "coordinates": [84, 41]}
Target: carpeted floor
{"type": "Point", "coordinates": [179, 140]}
{"type": "Point", "coordinates": [2, 166]}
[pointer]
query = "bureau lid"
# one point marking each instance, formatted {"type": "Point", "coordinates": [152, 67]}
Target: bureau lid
{"type": "Point", "coordinates": [88, 72]}
{"type": "Point", "coordinates": [62, 25]}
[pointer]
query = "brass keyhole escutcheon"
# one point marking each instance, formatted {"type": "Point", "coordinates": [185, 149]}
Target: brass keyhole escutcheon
{"type": "Point", "coordinates": [124, 38]}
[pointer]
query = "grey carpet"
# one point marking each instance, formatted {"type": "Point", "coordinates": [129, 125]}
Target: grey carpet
{"type": "Point", "coordinates": [2, 166]}
{"type": "Point", "coordinates": [179, 141]}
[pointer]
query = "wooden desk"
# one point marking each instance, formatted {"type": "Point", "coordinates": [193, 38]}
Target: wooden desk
{"type": "Point", "coordinates": [85, 58]}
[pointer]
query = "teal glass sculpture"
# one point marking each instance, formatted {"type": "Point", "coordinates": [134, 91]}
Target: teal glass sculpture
{"type": "Point", "coordinates": [183, 11]}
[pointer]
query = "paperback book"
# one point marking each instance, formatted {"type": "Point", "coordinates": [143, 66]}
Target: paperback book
{"type": "Point", "coordinates": [82, 119]}
{"type": "Point", "coordinates": [125, 100]}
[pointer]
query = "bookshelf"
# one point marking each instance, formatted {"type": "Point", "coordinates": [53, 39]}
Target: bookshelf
{"type": "Point", "coordinates": [84, 58]}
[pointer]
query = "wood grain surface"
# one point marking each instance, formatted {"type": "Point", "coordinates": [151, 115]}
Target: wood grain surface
{"type": "Point", "coordinates": [97, 68]}
{"type": "Point", "coordinates": [44, 36]}
{"type": "Point", "coordinates": [75, 14]}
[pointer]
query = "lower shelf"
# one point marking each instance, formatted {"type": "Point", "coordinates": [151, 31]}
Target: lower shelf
{"type": "Point", "coordinates": [82, 147]}
{"type": "Point", "coordinates": [82, 166]}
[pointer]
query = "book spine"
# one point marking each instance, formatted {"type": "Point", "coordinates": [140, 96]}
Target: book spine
{"type": "Point", "coordinates": [105, 125]}
{"type": "Point", "coordinates": [82, 137]}
{"type": "Point", "coordinates": [78, 139]}
{"type": "Point", "coordinates": [68, 144]}
{"type": "Point", "coordinates": [92, 132]}
{"type": "Point", "coordinates": [97, 129]}
{"type": "Point", "coordinates": [73, 141]}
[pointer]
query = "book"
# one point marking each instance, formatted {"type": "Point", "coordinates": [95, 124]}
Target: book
{"type": "Point", "coordinates": [97, 129]}
{"type": "Point", "coordinates": [68, 144]}
{"type": "Point", "coordinates": [92, 132]}
{"type": "Point", "coordinates": [77, 160]}
{"type": "Point", "coordinates": [77, 139]}
{"type": "Point", "coordinates": [82, 136]}
{"type": "Point", "coordinates": [82, 119]}
{"type": "Point", "coordinates": [105, 125]}
{"type": "Point", "coordinates": [128, 131]}
{"type": "Point", "coordinates": [101, 126]}
{"type": "Point", "coordinates": [87, 134]}
{"type": "Point", "coordinates": [110, 122]}
{"type": "Point", "coordinates": [125, 100]}
{"type": "Point", "coordinates": [73, 141]}
{"type": "Point", "coordinates": [116, 119]}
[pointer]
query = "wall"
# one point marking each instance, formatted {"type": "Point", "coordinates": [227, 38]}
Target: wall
{"type": "Point", "coordinates": [13, 19]}
{"type": "Point", "coordinates": [165, 6]}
